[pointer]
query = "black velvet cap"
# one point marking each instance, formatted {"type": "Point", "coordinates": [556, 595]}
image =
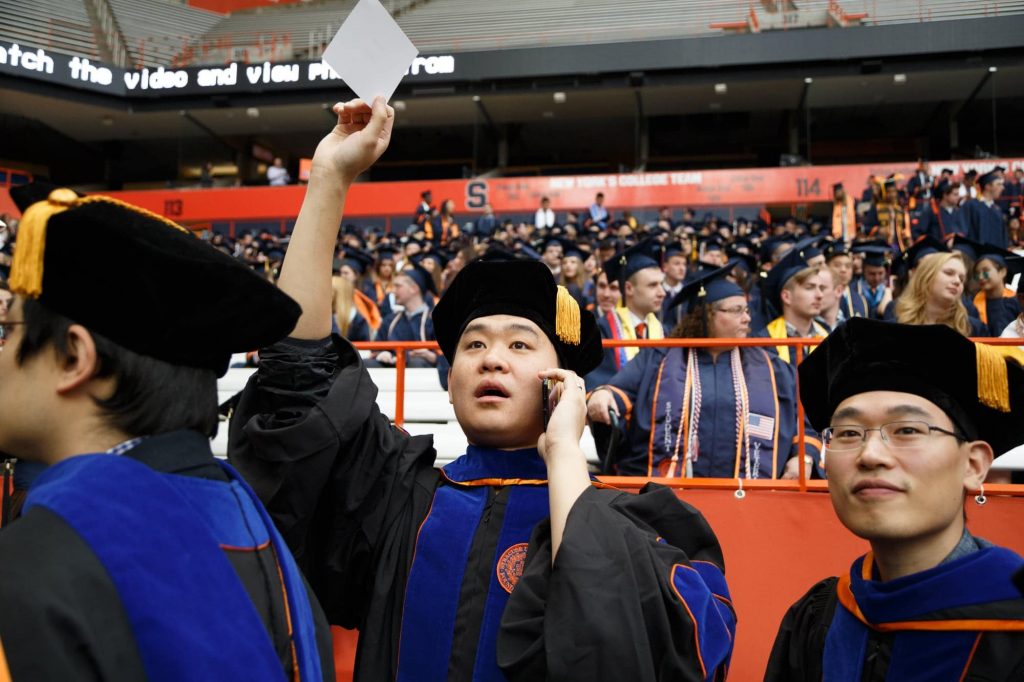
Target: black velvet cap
{"type": "Point", "coordinates": [141, 281]}
{"type": "Point", "coordinates": [791, 264]}
{"type": "Point", "coordinates": [979, 387]}
{"type": "Point", "coordinates": [358, 260]}
{"type": "Point", "coordinates": [876, 253]}
{"type": "Point", "coordinates": [523, 289]}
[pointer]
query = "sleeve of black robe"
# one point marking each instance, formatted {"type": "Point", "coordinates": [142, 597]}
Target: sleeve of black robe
{"type": "Point", "coordinates": [800, 643]}
{"type": "Point", "coordinates": [637, 593]}
{"type": "Point", "coordinates": [334, 473]}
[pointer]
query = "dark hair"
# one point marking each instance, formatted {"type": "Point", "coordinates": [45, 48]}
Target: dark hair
{"type": "Point", "coordinates": [151, 396]}
{"type": "Point", "coordinates": [694, 324]}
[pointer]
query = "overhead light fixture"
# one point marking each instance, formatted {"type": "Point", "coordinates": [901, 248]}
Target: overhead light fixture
{"type": "Point", "coordinates": [559, 97]}
{"type": "Point", "coordinates": [252, 112]}
{"type": "Point", "coordinates": [899, 78]}
{"type": "Point", "coordinates": [476, 98]}
{"type": "Point", "coordinates": [993, 69]}
{"type": "Point", "coordinates": [808, 80]}
{"type": "Point", "coordinates": [721, 88]}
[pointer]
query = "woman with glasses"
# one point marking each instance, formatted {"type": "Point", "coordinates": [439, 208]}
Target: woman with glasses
{"type": "Point", "coordinates": [906, 445]}
{"type": "Point", "coordinates": [736, 417]}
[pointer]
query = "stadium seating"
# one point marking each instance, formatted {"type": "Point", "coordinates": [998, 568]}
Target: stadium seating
{"type": "Point", "coordinates": [156, 32]}
{"type": "Point", "coordinates": [60, 25]}
{"type": "Point", "coordinates": [159, 32]}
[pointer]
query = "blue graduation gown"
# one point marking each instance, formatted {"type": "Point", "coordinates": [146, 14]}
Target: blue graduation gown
{"type": "Point", "coordinates": [984, 224]}
{"type": "Point", "coordinates": [937, 222]}
{"type": "Point", "coordinates": [637, 386]}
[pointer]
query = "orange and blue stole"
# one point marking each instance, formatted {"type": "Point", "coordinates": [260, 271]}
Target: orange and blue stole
{"type": "Point", "coordinates": [936, 616]}
{"type": "Point", "coordinates": [159, 537]}
{"type": "Point", "coordinates": [443, 552]}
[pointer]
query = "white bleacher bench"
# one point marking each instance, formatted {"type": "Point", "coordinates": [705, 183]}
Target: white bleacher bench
{"type": "Point", "coordinates": [427, 410]}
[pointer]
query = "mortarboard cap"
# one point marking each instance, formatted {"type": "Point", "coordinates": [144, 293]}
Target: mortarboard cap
{"type": "Point", "coordinates": [875, 253]}
{"type": "Point", "coordinates": [789, 266]}
{"type": "Point", "coordinates": [436, 256]}
{"type": "Point", "coordinates": [708, 287]}
{"type": "Point", "coordinates": [152, 276]}
{"type": "Point", "coordinates": [625, 264]}
{"type": "Point", "coordinates": [967, 247]}
{"type": "Point", "coordinates": [924, 246]}
{"type": "Point", "coordinates": [997, 255]}
{"type": "Point", "coordinates": [482, 288]}
{"type": "Point", "coordinates": [386, 251]}
{"type": "Point", "coordinates": [948, 171]}
{"type": "Point", "coordinates": [424, 280]}
{"type": "Point", "coordinates": [356, 259]}
{"type": "Point", "coordinates": [989, 178]}
{"type": "Point", "coordinates": [979, 387]}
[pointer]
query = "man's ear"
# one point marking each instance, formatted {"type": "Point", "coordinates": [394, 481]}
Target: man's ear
{"type": "Point", "coordinates": [80, 363]}
{"type": "Point", "coordinates": [786, 297]}
{"type": "Point", "coordinates": [979, 461]}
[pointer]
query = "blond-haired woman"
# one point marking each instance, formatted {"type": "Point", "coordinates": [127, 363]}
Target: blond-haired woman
{"type": "Point", "coordinates": [934, 295]}
{"type": "Point", "coordinates": [346, 318]}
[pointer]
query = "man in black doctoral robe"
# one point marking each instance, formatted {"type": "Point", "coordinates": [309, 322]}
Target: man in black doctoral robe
{"type": "Point", "coordinates": [509, 563]}
{"type": "Point", "coordinates": [910, 416]}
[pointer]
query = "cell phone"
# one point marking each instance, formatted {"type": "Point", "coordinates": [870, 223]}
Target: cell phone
{"type": "Point", "coordinates": [546, 399]}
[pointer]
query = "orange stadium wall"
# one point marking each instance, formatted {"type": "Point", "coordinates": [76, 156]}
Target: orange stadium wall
{"type": "Point", "coordinates": [777, 544]}
{"type": "Point", "coordinates": [797, 185]}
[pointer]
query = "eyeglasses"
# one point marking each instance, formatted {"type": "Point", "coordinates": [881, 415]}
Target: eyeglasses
{"type": "Point", "coordinates": [907, 435]}
{"type": "Point", "coordinates": [735, 310]}
{"type": "Point", "coordinates": [5, 330]}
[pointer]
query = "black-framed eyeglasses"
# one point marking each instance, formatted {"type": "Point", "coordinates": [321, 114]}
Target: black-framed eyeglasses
{"type": "Point", "coordinates": [5, 330]}
{"type": "Point", "coordinates": [904, 434]}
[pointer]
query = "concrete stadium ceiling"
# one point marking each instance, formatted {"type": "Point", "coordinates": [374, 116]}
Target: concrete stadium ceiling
{"type": "Point", "coordinates": [92, 122]}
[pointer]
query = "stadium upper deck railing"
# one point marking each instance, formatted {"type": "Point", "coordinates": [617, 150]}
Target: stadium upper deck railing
{"type": "Point", "coordinates": [802, 482]}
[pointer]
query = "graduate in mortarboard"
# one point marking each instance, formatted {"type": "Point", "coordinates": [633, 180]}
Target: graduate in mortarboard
{"type": "Point", "coordinates": [507, 563]}
{"type": "Point", "coordinates": [676, 268]}
{"type": "Point", "coordinates": [907, 446]}
{"type": "Point", "coordinates": [851, 301]}
{"type": "Point", "coordinates": [793, 290]}
{"type": "Point", "coordinates": [995, 302]}
{"type": "Point", "coordinates": [355, 266]}
{"type": "Point", "coordinates": [982, 219]}
{"type": "Point", "coordinates": [733, 418]}
{"type": "Point", "coordinates": [415, 293]}
{"type": "Point", "coordinates": [844, 214]}
{"type": "Point", "coordinates": [378, 281]}
{"type": "Point", "coordinates": [874, 285]}
{"type": "Point", "coordinates": [941, 215]}
{"type": "Point", "coordinates": [138, 556]}
{"type": "Point", "coordinates": [639, 277]}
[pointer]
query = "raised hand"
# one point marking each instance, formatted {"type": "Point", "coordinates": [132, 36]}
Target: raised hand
{"type": "Point", "coordinates": [361, 135]}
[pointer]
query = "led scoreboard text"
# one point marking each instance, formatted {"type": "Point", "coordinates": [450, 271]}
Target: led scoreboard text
{"type": "Point", "coordinates": [85, 73]}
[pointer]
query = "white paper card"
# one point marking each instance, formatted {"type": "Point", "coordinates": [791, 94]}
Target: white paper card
{"type": "Point", "coordinates": [370, 51]}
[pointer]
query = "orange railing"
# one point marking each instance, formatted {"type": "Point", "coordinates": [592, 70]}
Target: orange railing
{"type": "Point", "coordinates": [801, 484]}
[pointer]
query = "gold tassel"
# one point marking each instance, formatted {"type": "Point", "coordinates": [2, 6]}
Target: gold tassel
{"type": "Point", "coordinates": [567, 317]}
{"type": "Point", "coordinates": [27, 264]}
{"type": "Point", "coordinates": [993, 383]}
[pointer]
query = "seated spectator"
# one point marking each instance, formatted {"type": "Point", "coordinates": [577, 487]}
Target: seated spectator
{"type": "Point", "coordinates": [795, 289]}
{"type": "Point", "coordinates": [934, 295]}
{"type": "Point", "coordinates": [411, 320]}
{"type": "Point", "coordinates": [831, 315]}
{"type": "Point", "coordinates": [277, 174]}
{"type": "Point", "coordinates": [346, 319]}
{"type": "Point", "coordinates": [573, 277]}
{"type": "Point", "coordinates": [434, 263]}
{"type": "Point", "coordinates": [736, 417]}
{"type": "Point", "coordinates": [378, 283]}
{"type": "Point", "coordinates": [996, 303]}
{"type": "Point", "coordinates": [607, 296]}
{"type": "Point", "coordinates": [851, 302]}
